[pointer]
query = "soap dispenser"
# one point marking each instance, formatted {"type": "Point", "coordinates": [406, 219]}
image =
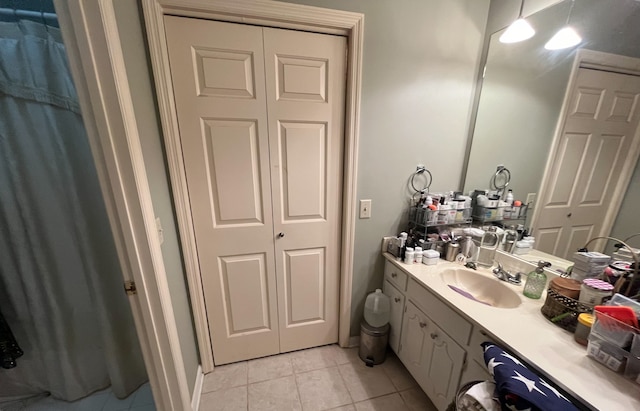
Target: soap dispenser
{"type": "Point", "coordinates": [536, 281]}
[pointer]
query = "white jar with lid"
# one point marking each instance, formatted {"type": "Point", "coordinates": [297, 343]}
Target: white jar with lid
{"type": "Point", "coordinates": [430, 257]}
{"type": "Point", "coordinates": [594, 291]}
{"type": "Point", "coordinates": [409, 255]}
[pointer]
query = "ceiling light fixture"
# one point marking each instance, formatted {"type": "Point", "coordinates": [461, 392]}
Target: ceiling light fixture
{"type": "Point", "coordinates": [566, 37]}
{"type": "Point", "coordinates": [519, 30]}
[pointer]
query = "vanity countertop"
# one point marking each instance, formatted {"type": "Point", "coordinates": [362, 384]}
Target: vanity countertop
{"type": "Point", "coordinates": [544, 346]}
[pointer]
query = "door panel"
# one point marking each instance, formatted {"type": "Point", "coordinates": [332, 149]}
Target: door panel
{"type": "Point", "coordinates": [303, 148]}
{"type": "Point", "coordinates": [608, 153]}
{"type": "Point", "coordinates": [594, 149]}
{"type": "Point", "coordinates": [414, 341]}
{"type": "Point", "coordinates": [245, 293]}
{"type": "Point", "coordinates": [305, 101]}
{"type": "Point", "coordinates": [233, 165]}
{"type": "Point", "coordinates": [567, 169]}
{"type": "Point", "coordinates": [547, 239]}
{"type": "Point", "coordinates": [301, 78]}
{"type": "Point", "coordinates": [445, 368]}
{"type": "Point", "coordinates": [305, 286]}
{"type": "Point", "coordinates": [223, 73]}
{"type": "Point", "coordinates": [217, 70]}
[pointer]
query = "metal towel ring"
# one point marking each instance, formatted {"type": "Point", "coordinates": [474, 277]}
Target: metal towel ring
{"type": "Point", "coordinates": [421, 170]}
{"type": "Point", "coordinates": [501, 171]}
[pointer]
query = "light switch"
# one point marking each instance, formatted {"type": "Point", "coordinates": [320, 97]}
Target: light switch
{"type": "Point", "coordinates": [365, 208]}
{"type": "Point", "coordinates": [531, 197]}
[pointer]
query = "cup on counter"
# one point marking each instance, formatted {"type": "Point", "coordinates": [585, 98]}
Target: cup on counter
{"type": "Point", "coordinates": [453, 249]}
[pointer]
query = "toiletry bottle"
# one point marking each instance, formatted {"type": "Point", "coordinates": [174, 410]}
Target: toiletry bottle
{"type": "Point", "coordinates": [536, 281]}
{"type": "Point", "coordinates": [509, 198]}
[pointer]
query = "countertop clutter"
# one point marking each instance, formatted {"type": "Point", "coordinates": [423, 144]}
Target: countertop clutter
{"type": "Point", "coordinates": [546, 348]}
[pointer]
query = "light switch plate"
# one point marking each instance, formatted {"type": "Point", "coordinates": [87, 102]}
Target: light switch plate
{"type": "Point", "coordinates": [531, 197]}
{"type": "Point", "coordinates": [365, 208]}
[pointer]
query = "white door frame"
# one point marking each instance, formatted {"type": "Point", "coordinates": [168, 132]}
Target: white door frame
{"type": "Point", "coordinates": [600, 61]}
{"type": "Point", "coordinates": [264, 13]}
{"type": "Point", "coordinates": [98, 68]}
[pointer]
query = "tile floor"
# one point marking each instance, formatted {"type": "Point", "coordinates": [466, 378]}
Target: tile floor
{"type": "Point", "coordinates": [323, 378]}
{"type": "Point", "coordinates": [140, 400]}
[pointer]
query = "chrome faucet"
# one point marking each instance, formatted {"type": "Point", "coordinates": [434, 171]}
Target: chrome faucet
{"type": "Point", "coordinates": [505, 275]}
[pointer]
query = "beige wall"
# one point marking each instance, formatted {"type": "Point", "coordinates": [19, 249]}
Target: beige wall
{"type": "Point", "coordinates": [130, 27]}
{"type": "Point", "coordinates": [420, 64]}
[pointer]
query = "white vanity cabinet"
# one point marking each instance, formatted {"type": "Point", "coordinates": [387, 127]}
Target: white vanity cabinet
{"type": "Point", "coordinates": [431, 339]}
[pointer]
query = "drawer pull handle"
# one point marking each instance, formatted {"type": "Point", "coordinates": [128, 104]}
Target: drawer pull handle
{"type": "Point", "coordinates": [434, 336]}
{"type": "Point", "coordinates": [394, 275]}
{"type": "Point", "coordinates": [397, 299]}
{"type": "Point", "coordinates": [422, 324]}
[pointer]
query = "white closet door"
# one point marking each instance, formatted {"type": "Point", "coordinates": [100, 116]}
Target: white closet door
{"type": "Point", "coordinates": [218, 77]}
{"type": "Point", "coordinates": [599, 131]}
{"type": "Point", "coordinates": [305, 98]}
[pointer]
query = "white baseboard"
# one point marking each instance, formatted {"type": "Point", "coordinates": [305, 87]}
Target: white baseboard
{"type": "Point", "coordinates": [354, 341]}
{"type": "Point", "coordinates": [197, 389]}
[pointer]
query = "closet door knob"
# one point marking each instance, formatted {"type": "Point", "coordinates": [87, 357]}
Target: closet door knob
{"type": "Point", "coordinates": [397, 299]}
{"type": "Point", "coordinates": [434, 336]}
{"type": "Point", "coordinates": [422, 324]}
{"type": "Point", "coordinates": [280, 235]}
{"type": "Point", "coordinates": [569, 215]}
{"type": "Point", "coordinates": [394, 275]}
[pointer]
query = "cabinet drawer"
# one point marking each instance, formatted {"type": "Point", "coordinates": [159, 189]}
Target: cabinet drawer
{"type": "Point", "coordinates": [395, 276]}
{"type": "Point", "coordinates": [397, 309]}
{"type": "Point", "coordinates": [450, 321]}
{"type": "Point", "coordinates": [478, 336]}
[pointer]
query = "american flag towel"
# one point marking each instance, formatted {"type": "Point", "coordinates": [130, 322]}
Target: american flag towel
{"type": "Point", "coordinates": [520, 389]}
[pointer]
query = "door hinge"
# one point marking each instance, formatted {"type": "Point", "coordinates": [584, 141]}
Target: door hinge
{"type": "Point", "coordinates": [130, 287]}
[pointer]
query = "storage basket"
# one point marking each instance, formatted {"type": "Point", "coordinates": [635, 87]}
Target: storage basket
{"type": "Point", "coordinates": [563, 311]}
{"type": "Point", "coordinates": [459, 405]}
{"type": "Point", "coordinates": [616, 345]}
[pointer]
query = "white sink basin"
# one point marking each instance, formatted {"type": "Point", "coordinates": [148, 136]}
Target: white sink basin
{"type": "Point", "coordinates": [481, 288]}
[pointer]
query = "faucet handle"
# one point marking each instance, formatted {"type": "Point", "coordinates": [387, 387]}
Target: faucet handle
{"type": "Point", "coordinates": [497, 269]}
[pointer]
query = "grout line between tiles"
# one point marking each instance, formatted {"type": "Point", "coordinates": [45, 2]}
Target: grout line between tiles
{"type": "Point", "coordinates": [345, 384]}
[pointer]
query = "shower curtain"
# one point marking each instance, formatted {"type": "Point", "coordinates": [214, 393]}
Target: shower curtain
{"type": "Point", "coordinates": [60, 283]}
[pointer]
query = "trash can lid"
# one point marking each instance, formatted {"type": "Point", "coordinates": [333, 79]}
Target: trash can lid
{"type": "Point", "coordinates": [368, 329]}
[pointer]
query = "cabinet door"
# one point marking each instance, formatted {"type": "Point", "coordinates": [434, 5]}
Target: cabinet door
{"type": "Point", "coordinates": [431, 356]}
{"type": "Point", "coordinates": [413, 340]}
{"type": "Point", "coordinates": [397, 309]}
{"type": "Point", "coordinates": [445, 361]}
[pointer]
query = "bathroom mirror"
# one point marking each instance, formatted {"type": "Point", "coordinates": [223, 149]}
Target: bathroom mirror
{"type": "Point", "coordinates": [524, 87]}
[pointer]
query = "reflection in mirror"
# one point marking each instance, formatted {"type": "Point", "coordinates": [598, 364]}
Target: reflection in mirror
{"type": "Point", "coordinates": [524, 87]}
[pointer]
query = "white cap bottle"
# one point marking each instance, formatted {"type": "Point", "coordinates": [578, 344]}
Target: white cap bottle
{"type": "Point", "coordinates": [509, 198]}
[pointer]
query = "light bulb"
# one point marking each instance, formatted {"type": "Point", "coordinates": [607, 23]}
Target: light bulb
{"type": "Point", "coordinates": [566, 37]}
{"type": "Point", "coordinates": [519, 30]}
